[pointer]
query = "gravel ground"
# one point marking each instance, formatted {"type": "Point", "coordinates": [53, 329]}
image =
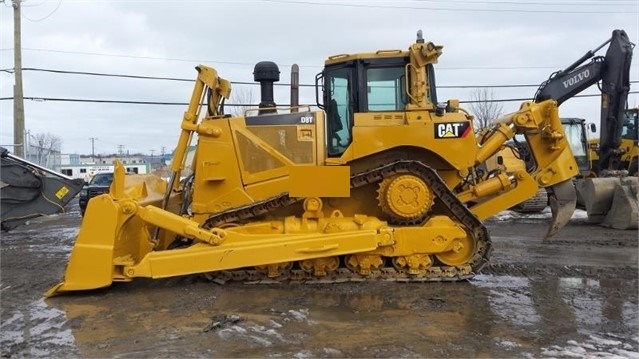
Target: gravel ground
{"type": "Point", "coordinates": [573, 296]}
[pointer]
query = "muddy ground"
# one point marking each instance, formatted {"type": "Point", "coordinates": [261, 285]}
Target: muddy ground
{"type": "Point", "coordinates": [573, 297]}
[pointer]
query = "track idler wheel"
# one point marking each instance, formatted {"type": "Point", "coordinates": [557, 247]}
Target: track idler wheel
{"type": "Point", "coordinates": [461, 253]}
{"type": "Point", "coordinates": [404, 198]}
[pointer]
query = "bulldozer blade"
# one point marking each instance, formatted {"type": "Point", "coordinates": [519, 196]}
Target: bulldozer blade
{"type": "Point", "coordinates": [563, 201]}
{"type": "Point", "coordinates": [90, 265]}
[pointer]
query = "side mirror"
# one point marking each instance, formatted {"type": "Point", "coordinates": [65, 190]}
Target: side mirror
{"type": "Point", "coordinates": [593, 127]}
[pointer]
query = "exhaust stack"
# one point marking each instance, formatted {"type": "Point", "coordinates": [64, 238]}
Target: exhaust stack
{"type": "Point", "coordinates": [295, 88]}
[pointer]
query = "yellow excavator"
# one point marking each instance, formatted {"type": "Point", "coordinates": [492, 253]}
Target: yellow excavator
{"type": "Point", "coordinates": [628, 150]}
{"type": "Point", "coordinates": [382, 182]}
{"type": "Point", "coordinates": [604, 188]}
{"type": "Point", "coordinates": [610, 192]}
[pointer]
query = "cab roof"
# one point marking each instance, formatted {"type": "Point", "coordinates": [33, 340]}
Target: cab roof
{"type": "Point", "coordinates": [380, 54]}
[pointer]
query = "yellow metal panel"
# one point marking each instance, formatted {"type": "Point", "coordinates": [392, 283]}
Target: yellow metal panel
{"type": "Point", "coordinates": [459, 152]}
{"type": "Point", "coordinates": [267, 188]}
{"type": "Point", "coordinates": [320, 181]}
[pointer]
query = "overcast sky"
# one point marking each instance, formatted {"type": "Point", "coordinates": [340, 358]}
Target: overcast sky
{"type": "Point", "coordinates": [489, 42]}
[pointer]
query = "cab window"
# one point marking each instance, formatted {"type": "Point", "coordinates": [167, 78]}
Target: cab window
{"type": "Point", "coordinates": [629, 130]}
{"type": "Point", "coordinates": [386, 89]}
{"type": "Point", "coordinates": [338, 110]}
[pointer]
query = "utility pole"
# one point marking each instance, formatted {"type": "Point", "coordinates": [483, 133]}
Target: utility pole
{"type": "Point", "coordinates": [18, 99]}
{"type": "Point", "coordinates": [92, 139]}
{"type": "Point", "coordinates": [120, 150]}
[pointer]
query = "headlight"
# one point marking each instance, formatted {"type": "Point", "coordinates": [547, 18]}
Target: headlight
{"type": "Point", "coordinates": [83, 193]}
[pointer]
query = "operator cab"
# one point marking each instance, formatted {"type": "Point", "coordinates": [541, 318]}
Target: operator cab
{"type": "Point", "coordinates": [630, 125]}
{"type": "Point", "coordinates": [363, 83]}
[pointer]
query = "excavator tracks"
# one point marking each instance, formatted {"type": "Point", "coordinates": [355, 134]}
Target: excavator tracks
{"type": "Point", "coordinates": [385, 271]}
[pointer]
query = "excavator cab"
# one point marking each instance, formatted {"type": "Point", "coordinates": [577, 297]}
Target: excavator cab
{"type": "Point", "coordinates": [629, 141]}
{"type": "Point", "coordinates": [575, 129]}
{"type": "Point", "coordinates": [630, 125]}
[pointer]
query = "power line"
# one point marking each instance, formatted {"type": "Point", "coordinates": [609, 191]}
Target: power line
{"type": "Point", "coordinates": [10, 70]}
{"type": "Point", "coordinates": [45, 17]}
{"type": "Point", "coordinates": [144, 57]}
{"type": "Point", "coordinates": [462, 9]}
{"type": "Point", "coordinates": [553, 3]}
{"type": "Point", "coordinates": [68, 72]}
{"type": "Point", "coordinates": [252, 64]}
{"type": "Point", "coordinates": [162, 103]}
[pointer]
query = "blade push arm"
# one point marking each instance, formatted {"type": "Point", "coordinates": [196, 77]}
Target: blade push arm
{"type": "Point", "coordinates": [218, 89]}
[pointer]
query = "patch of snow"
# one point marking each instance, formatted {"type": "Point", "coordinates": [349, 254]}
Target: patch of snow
{"type": "Point", "coordinates": [505, 281]}
{"type": "Point", "coordinates": [594, 347]}
{"type": "Point", "coordinates": [579, 213]}
{"type": "Point", "coordinates": [578, 283]}
{"type": "Point", "coordinates": [587, 309]}
{"type": "Point", "coordinates": [9, 334]}
{"type": "Point", "coordinates": [630, 315]}
{"type": "Point", "coordinates": [259, 329]}
{"type": "Point", "coordinates": [238, 329]}
{"type": "Point", "coordinates": [299, 315]}
{"type": "Point", "coordinates": [603, 342]}
{"type": "Point", "coordinates": [261, 335]}
{"type": "Point", "coordinates": [42, 325]}
{"type": "Point", "coordinates": [303, 354]}
{"type": "Point", "coordinates": [557, 351]}
{"type": "Point", "coordinates": [513, 306]}
{"type": "Point", "coordinates": [275, 324]}
{"type": "Point", "coordinates": [331, 351]}
{"type": "Point", "coordinates": [261, 341]}
{"type": "Point", "coordinates": [626, 353]}
{"type": "Point", "coordinates": [509, 215]}
{"type": "Point", "coordinates": [506, 343]}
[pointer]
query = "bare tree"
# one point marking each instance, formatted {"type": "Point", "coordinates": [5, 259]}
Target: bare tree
{"type": "Point", "coordinates": [484, 108]}
{"type": "Point", "coordinates": [43, 146]}
{"type": "Point", "coordinates": [242, 96]}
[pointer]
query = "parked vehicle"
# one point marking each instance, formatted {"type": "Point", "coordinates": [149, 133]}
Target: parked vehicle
{"type": "Point", "coordinates": [99, 184]}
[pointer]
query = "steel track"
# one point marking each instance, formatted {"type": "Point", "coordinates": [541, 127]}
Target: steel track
{"type": "Point", "coordinates": [476, 230]}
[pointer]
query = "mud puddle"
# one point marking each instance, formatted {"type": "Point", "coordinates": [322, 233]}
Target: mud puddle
{"type": "Point", "coordinates": [575, 296]}
{"type": "Point", "coordinates": [488, 316]}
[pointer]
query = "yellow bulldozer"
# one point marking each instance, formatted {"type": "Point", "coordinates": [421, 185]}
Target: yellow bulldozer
{"type": "Point", "coordinates": [381, 182]}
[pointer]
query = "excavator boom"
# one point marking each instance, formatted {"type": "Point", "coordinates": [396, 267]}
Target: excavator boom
{"type": "Point", "coordinates": [613, 71]}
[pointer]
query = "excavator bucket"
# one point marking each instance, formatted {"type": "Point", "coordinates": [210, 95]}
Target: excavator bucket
{"type": "Point", "coordinates": [28, 190]}
{"type": "Point", "coordinates": [563, 201]}
{"type": "Point", "coordinates": [611, 201]}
